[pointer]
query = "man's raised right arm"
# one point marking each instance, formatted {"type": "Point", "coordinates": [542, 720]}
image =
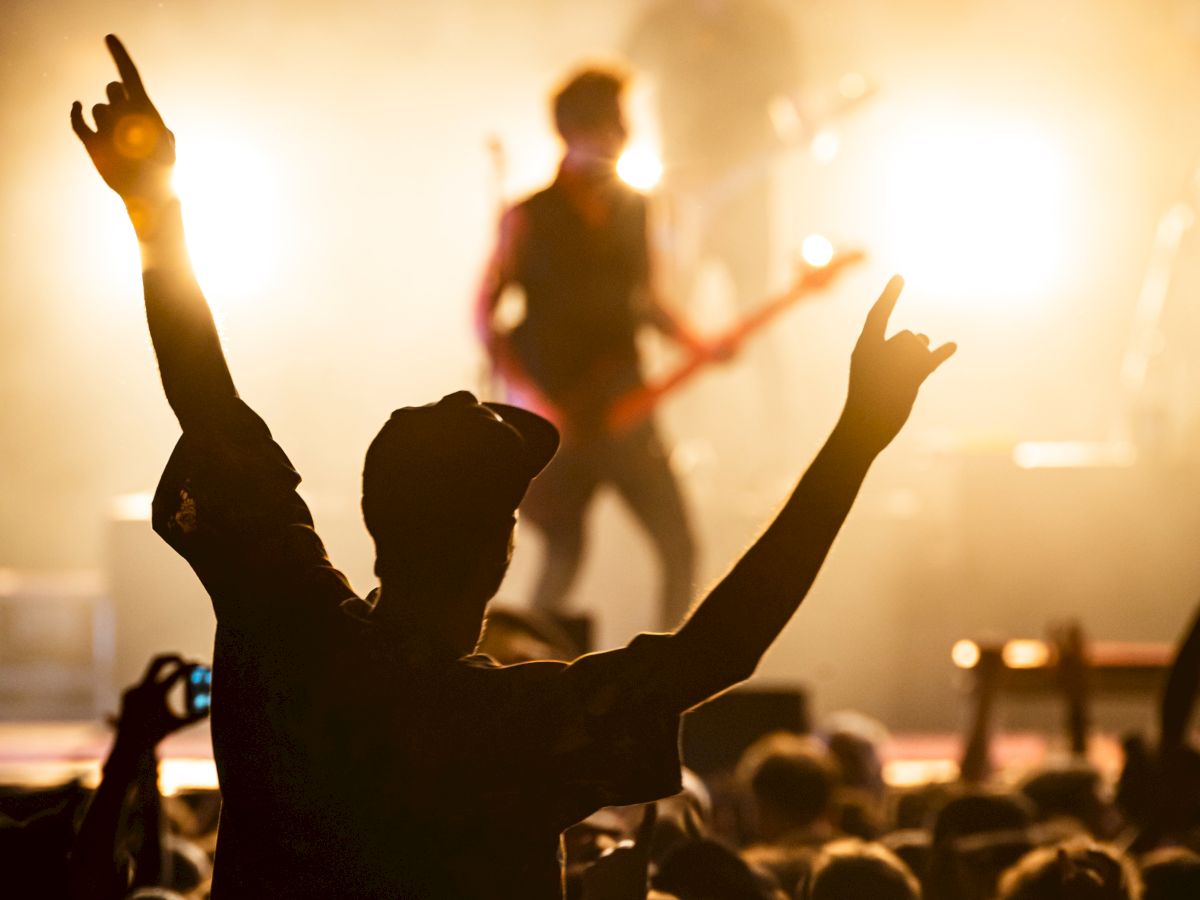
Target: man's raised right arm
{"type": "Point", "coordinates": [134, 153]}
{"type": "Point", "coordinates": [727, 634]}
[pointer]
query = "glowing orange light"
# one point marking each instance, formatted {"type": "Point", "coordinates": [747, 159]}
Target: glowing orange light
{"type": "Point", "coordinates": [825, 146]}
{"type": "Point", "coordinates": [1011, 180]}
{"type": "Point", "coordinates": [1073, 455]}
{"type": "Point", "coordinates": [130, 507]}
{"type": "Point", "coordinates": [135, 136]}
{"type": "Point", "coordinates": [817, 251]}
{"type": "Point", "coordinates": [232, 213]}
{"type": "Point", "coordinates": [640, 168]}
{"type": "Point", "coordinates": [912, 772]}
{"type": "Point", "coordinates": [965, 654]}
{"type": "Point", "coordinates": [1026, 654]}
{"type": "Point", "coordinates": [175, 775]}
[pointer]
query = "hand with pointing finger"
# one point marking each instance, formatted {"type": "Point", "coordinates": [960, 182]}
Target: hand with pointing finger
{"type": "Point", "coordinates": [131, 147]}
{"type": "Point", "coordinates": [886, 373]}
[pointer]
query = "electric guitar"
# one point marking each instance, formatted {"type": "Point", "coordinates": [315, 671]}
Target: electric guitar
{"type": "Point", "coordinates": [636, 405]}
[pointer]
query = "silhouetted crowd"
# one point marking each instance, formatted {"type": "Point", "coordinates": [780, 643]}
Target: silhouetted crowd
{"type": "Point", "coordinates": [800, 816]}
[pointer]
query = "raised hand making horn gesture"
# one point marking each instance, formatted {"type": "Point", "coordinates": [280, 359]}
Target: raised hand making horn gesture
{"type": "Point", "coordinates": [131, 148]}
{"type": "Point", "coordinates": [886, 373]}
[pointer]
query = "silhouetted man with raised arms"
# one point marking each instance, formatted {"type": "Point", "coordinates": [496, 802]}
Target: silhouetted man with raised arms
{"type": "Point", "coordinates": [362, 749]}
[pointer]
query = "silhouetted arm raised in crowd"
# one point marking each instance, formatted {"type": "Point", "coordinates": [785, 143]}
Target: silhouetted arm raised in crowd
{"type": "Point", "coordinates": [1179, 695]}
{"type": "Point", "coordinates": [723, 640]}
{"type": "Point", "coordinates": [976, 763]}
{"type": "Point", "coordinates": [99, 863]}
{"type": "Point", "coordinates": [134, 152]}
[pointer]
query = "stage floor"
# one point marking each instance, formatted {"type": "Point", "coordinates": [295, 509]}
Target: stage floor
{"type": "Point", "coordinates": [48, 753]}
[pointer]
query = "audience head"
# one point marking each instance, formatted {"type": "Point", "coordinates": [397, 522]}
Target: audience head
{"type": "Point", "coordinates": [1073, 792]}
{"type": "Point", "coordinates": [858, 813]}
{"type": "Point", "coordinates": [791, 779]}
{"type": "Point", "coordinates": [854, 741]}
{"type": "Point", "coordinates": [851, 869]}
{"type": "Point", "coordinates": [788, 865]}
{"type": "Point", "coordinates": [913, 847]}
{"type": "Point", "coordinates": [588, 113]}
{"type": "Point", "coordinates": [1171, 874]}
{"type": "Point", "coordinates": [979, 812]}
{"type": "Point", "coordinates": [190, 866]}
{"type": "Point", "coordinates": [708, 870]}
{"type": "Point", "coordinates": [1074, 870]}
{"type": "Point", "coordinates": [441, 484]}
{"type": "Point", "coordinates": [976, 836]}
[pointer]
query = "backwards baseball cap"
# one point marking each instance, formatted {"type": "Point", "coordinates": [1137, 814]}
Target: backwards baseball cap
{"type": "Point", "coordinates": [452, 464]}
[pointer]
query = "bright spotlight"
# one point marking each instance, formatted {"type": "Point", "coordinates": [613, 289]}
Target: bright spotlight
{"type": "Point", "coordinates": [230, 210]}
{"type": "Point", "coordinates": [1026, 654]}
{"type": "Point", "coordinates": [640, 168]}
{"type": "Point", "coordinates": [824, 146]}
{"type": "Point", "coordinates": [965, 654]}
{"type": "Point", "coordinates": [175, 775]}
{"type": "Point", "coordinates": [817, 251]}
{"type": "Point", "coordinates": [979, 208]}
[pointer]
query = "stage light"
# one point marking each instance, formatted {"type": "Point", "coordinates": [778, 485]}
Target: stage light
{"type": "Point", "coordinates": [640, 168]}
{"type": "Point", "coordinates": [231, 214]}
{"type": "Point", "coordinates": [824, 146]}
{"type": "Point", "coordinates": [1025, 654]}
{"type": "Point", "coordinates": [817, 251]}
{"type": "Point", "coordinates": [130, 507]}
{"type": "Point", "coordinates": [965, 654]}
{"type": "Point", "coordinates": [907, 773]}
{"type": "Point", "coordinates": [979, 208]}
{"type": "Point", "coordinates": [1073, 455]}
{"type": "Point", "coordinates": [179, 774]}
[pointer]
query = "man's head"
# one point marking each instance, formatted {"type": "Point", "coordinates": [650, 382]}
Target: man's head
{"type": "Point", "coordinates": [441, 485]}
{"type": "Point", "coordinates": [849, 869]}
{"type": "Point", "coordinates": [1072, 870]}
{"type": "Point", "coordinates": [588, 113]}
{"type": "Point", "coordinates": [791, 779]}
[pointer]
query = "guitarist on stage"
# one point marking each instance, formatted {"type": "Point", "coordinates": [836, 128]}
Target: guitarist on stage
{"type": "Point", "coordinates": [580, 253]}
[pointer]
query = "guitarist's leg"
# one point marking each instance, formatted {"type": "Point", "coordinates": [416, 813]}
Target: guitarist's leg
{"type": "Point", "coordinates": [637, 466]}
{"type": "Point", "coordinates": [556, 505]}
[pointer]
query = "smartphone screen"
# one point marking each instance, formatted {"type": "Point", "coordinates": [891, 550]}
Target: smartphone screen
{"type": "Point", "coordinates": [199, 690]}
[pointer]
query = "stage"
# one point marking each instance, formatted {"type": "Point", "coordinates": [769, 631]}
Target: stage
{"type": "Point", "coordinates": [43, 754]}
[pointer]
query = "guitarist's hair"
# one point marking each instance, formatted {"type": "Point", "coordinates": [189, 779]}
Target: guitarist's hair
{"type": "Point", "coordinates": [590, 97]}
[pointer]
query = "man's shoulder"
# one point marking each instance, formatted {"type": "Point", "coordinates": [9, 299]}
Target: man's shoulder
{"type": "Point", "coordinates": [534, 204]}
{"type": "Point", "coordinates": [647, 648]}
{"type": "Point", "coordinates": [517, 673]}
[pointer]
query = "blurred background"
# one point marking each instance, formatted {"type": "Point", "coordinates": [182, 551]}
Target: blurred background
{"type": "Point", "coordinates": [1030, 168]}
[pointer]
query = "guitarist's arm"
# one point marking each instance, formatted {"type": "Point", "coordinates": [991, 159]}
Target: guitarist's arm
{"type": "Point", "coordinates": [500, 273]}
